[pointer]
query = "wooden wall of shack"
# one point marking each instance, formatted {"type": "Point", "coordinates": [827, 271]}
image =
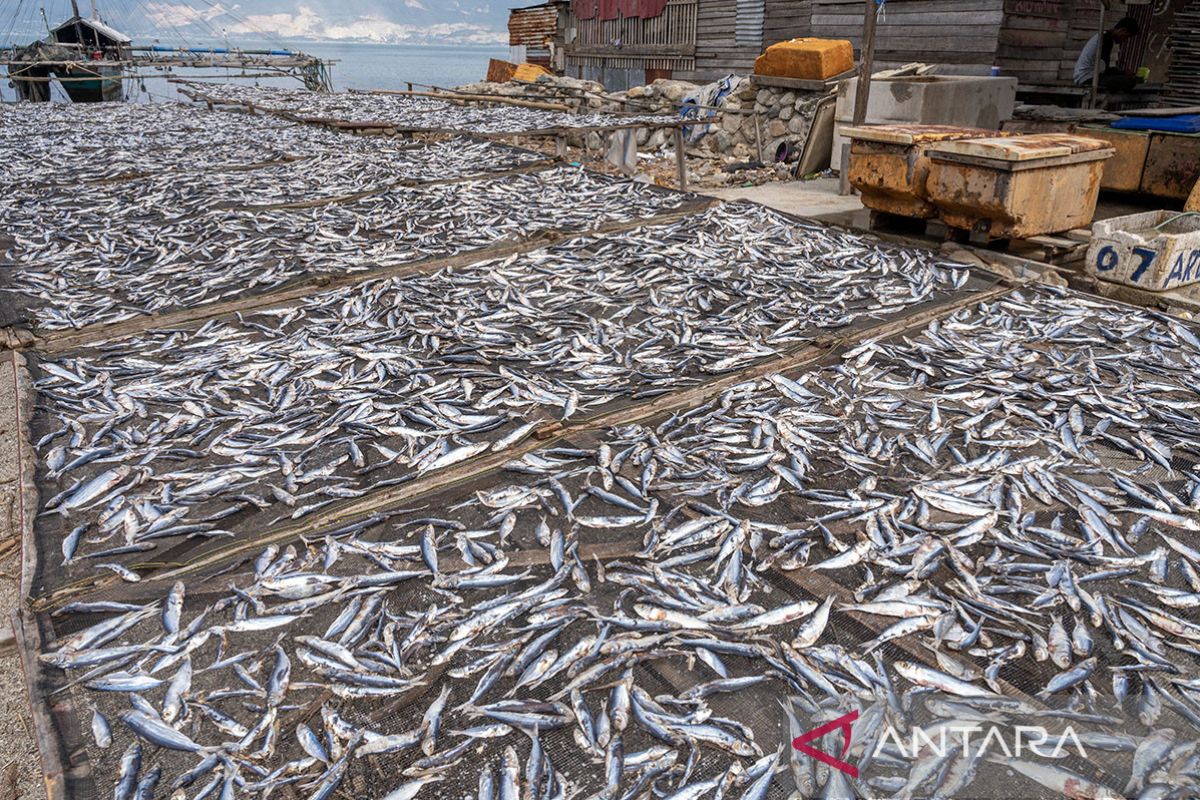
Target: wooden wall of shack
{"type": "Point", "coordinates": [958, 32]}
{"type": "Point", "coordinates": [723, 47]}
{"type": "Point", "coordinates": [700, 40]}
{"type": "Point", "coordinates": [1041, 39]}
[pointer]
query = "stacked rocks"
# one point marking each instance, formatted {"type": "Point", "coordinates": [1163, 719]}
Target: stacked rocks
{"type": "Point", "coordinates": [782, 115]}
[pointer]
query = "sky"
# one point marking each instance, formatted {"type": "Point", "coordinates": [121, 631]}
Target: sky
{"type": "Point", "coordinates": [481, 22]}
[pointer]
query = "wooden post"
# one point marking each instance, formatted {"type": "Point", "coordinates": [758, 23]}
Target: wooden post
{"type": "Point", "coordinates": [862, 94]}
{"type": "Point", "coordinates": [1094, 94]}
{"type": "Point", "coordinates": [680, 159]}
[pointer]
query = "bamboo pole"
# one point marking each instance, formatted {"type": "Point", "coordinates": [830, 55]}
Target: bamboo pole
{"type": "Point", "coordinates": [1094, 94]}
{"type": "Point", "coordinates": [485, 98]}
{"type": "Point", "coordinates": [680, 160]}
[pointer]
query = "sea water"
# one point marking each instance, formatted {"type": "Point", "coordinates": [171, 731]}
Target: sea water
{"type": "Point", "coordinates": [356, 66]}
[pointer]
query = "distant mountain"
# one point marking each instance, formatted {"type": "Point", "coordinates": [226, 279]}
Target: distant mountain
{"type": "Point", "coordinates": [395, 22]}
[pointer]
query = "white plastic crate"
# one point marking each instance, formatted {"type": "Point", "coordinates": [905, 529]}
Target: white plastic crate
{"type": "Point", "coordinates": [1155, 250]}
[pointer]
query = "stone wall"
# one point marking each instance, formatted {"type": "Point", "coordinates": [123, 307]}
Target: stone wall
{"type": "Point", "coordinates": [782, 115]}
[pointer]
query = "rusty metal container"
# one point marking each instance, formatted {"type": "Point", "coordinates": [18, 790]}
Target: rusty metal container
{"type": "Point", "coordinates": [1017, 187]}
{"type": "Point", "coordinates": [889, 164]}
{"type": "Point", "coordinates": [1122, 172]}
{"type": "Point", "coordinates": [1172, 165]}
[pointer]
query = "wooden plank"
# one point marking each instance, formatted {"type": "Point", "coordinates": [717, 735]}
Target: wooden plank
{"type": "Point", "coordinates": [920, 45]}
{"type": "Point", "coordinates": [462, 97]}
{"type": "Point", "coordinates": [862, 94]}
{"type": "Point", "coordinates": [634, 51]}
{"type": "Point", "coordinates": [28, 647]}
{"type": "Point", "coordinates": [800, 83]}
{"type": "Point", "coordinates": [24, 625]}
{"type": "Point", "coordinates": [920, 30]}
{"type": "Point", "coordinates": [786, 19]}
{"type": "Point", "coordinates": [680, 159]}
{"type": "Point", "coordinates": [967, 23]}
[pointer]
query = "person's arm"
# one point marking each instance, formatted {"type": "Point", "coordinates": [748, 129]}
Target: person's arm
{"type": "Point", "coordinates": [1085, 65]}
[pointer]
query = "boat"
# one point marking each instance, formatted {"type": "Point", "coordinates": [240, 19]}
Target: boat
{"type": "Point", "coordinates": [85, 56]}
{"type": "Point", "coordinates": [91, 60]}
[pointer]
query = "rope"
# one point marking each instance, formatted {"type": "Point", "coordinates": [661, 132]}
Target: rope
{"type": "Point", "coordinates": [1180, 215]}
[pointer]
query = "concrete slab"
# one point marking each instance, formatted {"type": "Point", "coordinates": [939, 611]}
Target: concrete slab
{"type": "Point", "coordinates": [816, 199]}
{"type": "Point", "coordinates": [819, 199]}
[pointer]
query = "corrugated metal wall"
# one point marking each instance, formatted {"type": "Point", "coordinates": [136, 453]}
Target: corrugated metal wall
{"type": "Point", "coordinates": [748, 25]}
{"type": "Point", "coordinates": [530, 29]}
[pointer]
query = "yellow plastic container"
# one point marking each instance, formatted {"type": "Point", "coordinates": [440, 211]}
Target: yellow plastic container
{"type": "Point", "coordinates": [806, 59]}
{"type": "Point", "coordinates": [1018, 187]}
{"type": "Point", "coordinates": [530, 72]}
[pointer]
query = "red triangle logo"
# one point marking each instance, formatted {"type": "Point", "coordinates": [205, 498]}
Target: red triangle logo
{"type": "Point", "coordinates": [843, 723]}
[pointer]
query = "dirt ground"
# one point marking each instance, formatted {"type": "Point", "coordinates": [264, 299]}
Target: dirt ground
{"type": "Point", "coordinates": [20, 767]}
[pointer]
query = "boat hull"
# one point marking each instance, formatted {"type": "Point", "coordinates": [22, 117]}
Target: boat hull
{"type": "Point", "coordinates": [80, 85]}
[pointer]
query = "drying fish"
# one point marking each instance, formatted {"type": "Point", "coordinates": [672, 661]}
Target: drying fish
{"type": "Point", "coordinates": [412, 113]}
{"type": "Point", "coordinates": [987, 495]}
{"type": "Point", "coordinates": [424, 362]}
{"type": "Point", "coordinates": [152, 263]}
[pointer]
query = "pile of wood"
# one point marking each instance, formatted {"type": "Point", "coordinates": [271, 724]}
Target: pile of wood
{"type": "Point", "coordinates": [1183, 76]}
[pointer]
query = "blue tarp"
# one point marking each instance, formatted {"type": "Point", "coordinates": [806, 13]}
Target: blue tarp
{"type": "Point", "coordinates": [712, 95]}
{"type": "Point", "coordinates": [1184, 123]}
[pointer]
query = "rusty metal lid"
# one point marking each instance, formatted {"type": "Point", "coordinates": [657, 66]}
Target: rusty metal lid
{"type": "Point", "coordinates": [907, 133]}
{"type": "Point", "coordinates": [1023, 148]}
